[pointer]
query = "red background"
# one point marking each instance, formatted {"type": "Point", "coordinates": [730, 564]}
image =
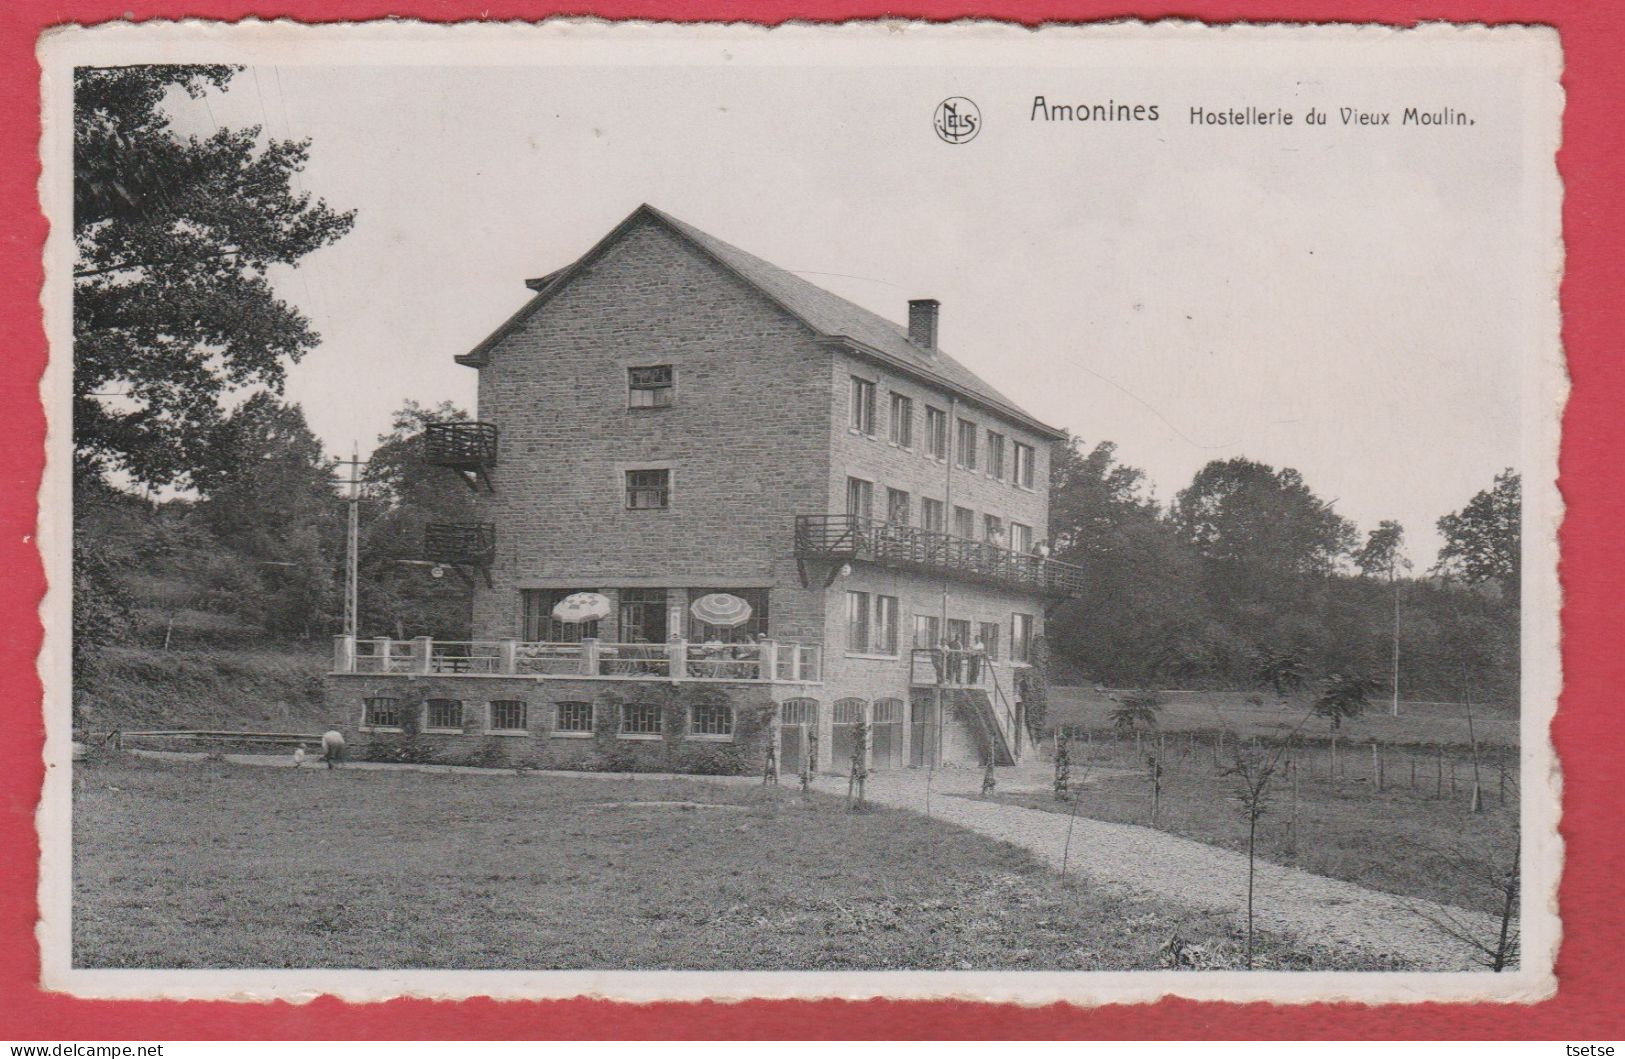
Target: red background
{"type": "Point", "coordinates": [1590, 968]}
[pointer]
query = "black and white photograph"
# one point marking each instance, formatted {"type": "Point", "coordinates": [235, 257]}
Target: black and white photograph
{"type": "Point", "coordinates": [885, 509]}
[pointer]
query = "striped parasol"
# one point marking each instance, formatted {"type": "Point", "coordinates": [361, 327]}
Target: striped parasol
{"type": "Point", "coordinates": [581, 607]}
{"type": "Point", "coordinates": [721, 608]}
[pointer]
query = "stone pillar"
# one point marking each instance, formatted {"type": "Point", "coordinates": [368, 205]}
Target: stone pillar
{"type": "Point", "coordinates": [423, 653]}
{"type": "Point", "coordinates": [344, 654]}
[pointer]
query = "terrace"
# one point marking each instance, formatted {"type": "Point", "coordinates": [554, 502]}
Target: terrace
{"type": "Point", "coordinates": [760, 662]}
{"type": "Point", "coordinates": [837, 539]}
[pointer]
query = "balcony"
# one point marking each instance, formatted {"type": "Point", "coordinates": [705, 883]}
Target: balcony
{"type": "Point", "coordinates": [470, 449]}
{"type": "Point", "coordinates": [462, 545]}
{"type": "Point", "coordinates": [760, 662]}
{"type": "Point", "coordinates": [837, 539]}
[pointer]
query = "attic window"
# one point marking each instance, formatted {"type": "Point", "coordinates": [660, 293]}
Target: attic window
{"type": "Point", "coordinates": [650, 387]}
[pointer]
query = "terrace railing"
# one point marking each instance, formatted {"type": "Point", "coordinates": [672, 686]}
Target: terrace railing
{"type": "Point", "coordinates": [842, 538]}
{"type": "Point", "coordinates": [763, 661]}
{"type": "Point", "coordinates": [469, 448]}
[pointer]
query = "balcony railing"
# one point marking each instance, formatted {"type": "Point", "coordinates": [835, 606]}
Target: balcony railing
{"type": "Point", "coordinates": [842, 538]}
{"type": "Point", "coordinates": [762, 661]}
{"type": "Point", "coordinates": [470, 449]}
{"type": "Point", "coordinates": [460, 543]}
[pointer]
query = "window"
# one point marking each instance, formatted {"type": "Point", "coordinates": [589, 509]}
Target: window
{"type": "Point", "coordinates": [640, 718]}
{"type": "Point", "coordinates": [1021, 538]}
{"type": "Point", "coordinates": [932, 515]}
{"type": "Point", "coordinates": [993, 529]}
{"type": "Point", "coordinates": [541, 626]}
{"type": "Point", "coordinates": [897, 508]}
{"type": "Point", "coordinates": [650, 387]}
{"type": "Point", "coordinates": [966, 451]}
{"type": "Point", "coordinates": [573, 717]}
{"type": "Point", "coordinates": [1024, 466]}
{"type": "Point", "coordinates": [959, 633]}
{"type": "Point", "coordinates": [507, 715]}
{"type": "Point", "coordinates": [883, 633]}
{"type": "Point", "coordinates": [857, 622]}
{"type": "Point", "coordinates": [902, 421]}
{"type": "Point", "coordinates": [860, 498]}
{"type": "Point", "coordinates": [445, 713]}
{"type": "Point", "coordinates": [648, 490]}
{"type": "Point", "coordinates": [643, 615]}
{"type": "Point", "coordinates": [863, 406]}
{"type": "Point", "coordinates": [964, 523]}
{"type": "Point", "coordinates": [1021, 637]}
{"type": "Point", "coordinates": [383, 713]}
{"type": "Point", "coordinates": [936, 433]}
{"type": "Point", "coordinates": [711, 718]}
{"type": "Point", "coordinates": [989, 632]}
{"type": "Point", "coordinates": [927, 630]}
{"type": "Point", "coordinates": [751, 628]}
{"type": "Point", "coordinates": [995, 454]}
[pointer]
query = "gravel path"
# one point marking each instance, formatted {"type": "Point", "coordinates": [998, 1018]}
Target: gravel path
{"type": "Point", "coordinates": [1135, 860]}
{"type": "Point", "coordinates": [1140, 860]}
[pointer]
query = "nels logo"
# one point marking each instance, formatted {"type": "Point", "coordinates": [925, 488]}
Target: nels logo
{"type": "Point", "coordinates": [957, 120]}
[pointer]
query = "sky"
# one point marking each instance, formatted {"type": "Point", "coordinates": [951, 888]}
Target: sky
{"type": "Point", "coordinates": [1354, 303]}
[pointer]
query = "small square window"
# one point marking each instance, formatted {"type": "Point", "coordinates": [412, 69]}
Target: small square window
{"type": "Point", "coordinates": [383, 713]}
{"type": "Point", "coordinates": [508, 715]}
{"type": "Point", "coordinates": [640, 718]}
{"type": "Point", "coordinates": [445, 713]}
{"type": "Point", "coordinates": [574, 717]}
{"type": "Point", "coordinates": [648, 490]}
{"type": "Point", "coordinates": [651, 387]}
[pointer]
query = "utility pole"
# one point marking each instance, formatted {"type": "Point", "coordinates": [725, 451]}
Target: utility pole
{"type": "Point", "coordinates": [352, 539]}
{"type": "Point", "coordinates": [1393, 580]}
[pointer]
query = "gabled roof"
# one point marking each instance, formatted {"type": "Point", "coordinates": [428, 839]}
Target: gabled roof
{"type": "Point", "coordinates": [832, 318]}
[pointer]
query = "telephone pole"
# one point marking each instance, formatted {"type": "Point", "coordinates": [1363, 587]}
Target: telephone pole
{"type": "Point", "coordinates": [352, 538]}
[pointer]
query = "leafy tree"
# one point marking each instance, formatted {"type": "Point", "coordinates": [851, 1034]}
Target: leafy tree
{"type": "Point", "coordinates": [175, 239]}
{"type": "Point", "coordinates": [1345, 697]}
{"type": "Point", "coordinates": [1381, 552]}
{"type": "Point", "coordinates": [404, 494]}
{"type": "Point", "coordinates": [1483, 541]}
{"type": "Point", "coordinates": [1258, 527]}
{"type": "Point", "coordinates": [1283, 670]}
{"type": "Point", "coordinates": [1141, 710]}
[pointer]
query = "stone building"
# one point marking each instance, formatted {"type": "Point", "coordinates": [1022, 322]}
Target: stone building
{"type": "Point", "coordinates": [671, 418]}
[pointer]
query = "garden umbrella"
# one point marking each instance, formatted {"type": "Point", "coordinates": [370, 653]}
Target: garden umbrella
{"type": "Point", "coordinates": [582, 607]}
{"type": "Point", "coordinates": [721, 608]}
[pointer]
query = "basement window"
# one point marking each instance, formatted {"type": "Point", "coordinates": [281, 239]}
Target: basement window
{"type": "Point", "coordinates": [445, 714]}
{"type": "Point", "coordinates": [640, 718]}
{"type": "Point", "coordinates": [508, 715]}
{"type": "Point", "coordinates": [574, 717]}
{"type": "Point", "coordinates": [715, 720]}
{"type": "Point", "coordinates": [383, 713]}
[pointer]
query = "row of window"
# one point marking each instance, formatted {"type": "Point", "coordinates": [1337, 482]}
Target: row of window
{"type": "Point", "coordinates": [860, 500]}
{"type": "Point", "coordinates": [968, 454]}
{"type": "Point", "coordinates": [871, 628]}
{"type": "Point", "coordinates": [513, 716]}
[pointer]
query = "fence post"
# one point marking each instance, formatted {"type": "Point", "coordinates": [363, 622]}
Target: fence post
{"type": "Point", "coordinates": [1438, 785]}
{"type": "Point", "coordinates": [1376, 763]}
{"type": "Point", "coordinates": [344, 654]}
{"type": "Point", "coordinates": [1412, 755]}
{"type": "Point", "coordinates": [423, 651]}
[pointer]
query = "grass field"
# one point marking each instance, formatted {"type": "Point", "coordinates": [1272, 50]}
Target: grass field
{"type": "Point", "coordinates": [1413, 841]}
{"type": "Point", "coordinates": [1250, 713]}
{"type": "Point", "coordinates": [206, 864]}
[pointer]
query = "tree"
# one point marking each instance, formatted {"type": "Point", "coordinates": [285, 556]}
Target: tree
{"type": "Point", "coordinates": [1132, 624]}
{"type": "Point", "coordinates": [1483, 541]}
{"type": "Point", "coordinates": [405, 493]}
{"type": "Point", "coordinates": [1141, 710]}
{"type": "Point", "coordinates": [1345, 697]}
{"type": "Point", "coordinates": [1282, 670]}
{"type": "Point", "coordinates": [175, 240]}
{"type": "Point", "coordinates": [1259, 528]}
{"type": "Point", "coordinates": [1381, 554]}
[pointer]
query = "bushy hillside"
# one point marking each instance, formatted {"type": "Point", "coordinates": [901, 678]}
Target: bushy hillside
{"type": "Point", "coordinates": [215, 688]}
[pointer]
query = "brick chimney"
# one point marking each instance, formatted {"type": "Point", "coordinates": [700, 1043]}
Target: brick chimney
{"type": "Point", "coordinates": [922, 322]}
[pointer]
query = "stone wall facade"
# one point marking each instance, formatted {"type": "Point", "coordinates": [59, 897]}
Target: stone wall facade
{"type": "Point", "coordinates": [543, 741]}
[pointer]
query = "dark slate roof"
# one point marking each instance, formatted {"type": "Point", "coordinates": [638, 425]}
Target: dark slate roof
{"type": "Point", "coordinates": [830, 316]}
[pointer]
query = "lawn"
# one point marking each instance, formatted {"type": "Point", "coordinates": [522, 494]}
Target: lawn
{"type": "Point", "coordinates": [1414, 841]}
{"type": "Point", "coordinates": [208, 864]}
